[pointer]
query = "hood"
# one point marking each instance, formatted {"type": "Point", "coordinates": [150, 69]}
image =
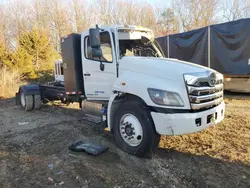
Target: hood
{"type": "Point", "coordinates": [160, 67]}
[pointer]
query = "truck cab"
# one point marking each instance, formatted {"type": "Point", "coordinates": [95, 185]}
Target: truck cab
{"type": "Point", "coordinates": [179, 97]}
{"type": "Point", "coordinates": [118, 45]}
{"type": "Point", "coordinates": [142, 94]}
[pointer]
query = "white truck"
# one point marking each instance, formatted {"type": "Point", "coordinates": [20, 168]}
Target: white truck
{"type": "Point", "coordinates": [141, 95]}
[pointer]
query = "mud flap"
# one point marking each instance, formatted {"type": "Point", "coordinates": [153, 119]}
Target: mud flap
{"type": "Point", "coordinates": [17, 98]}
{"type": "Point", "coordinates": [104, 122]}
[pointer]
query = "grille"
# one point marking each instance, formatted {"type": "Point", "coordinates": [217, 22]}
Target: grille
{"type": "Point", "coordinates": [203, 96]}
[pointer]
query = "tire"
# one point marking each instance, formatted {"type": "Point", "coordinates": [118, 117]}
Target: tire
{"type": "Point", "coordinates": [144, 140]}
{"type": "Point", "coordinates": [27, 101]}
{"type": "Point", "coordinates": [37, 102]}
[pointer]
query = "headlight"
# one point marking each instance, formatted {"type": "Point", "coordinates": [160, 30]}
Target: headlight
{"type": "Point", "coordinates": [166, 98]}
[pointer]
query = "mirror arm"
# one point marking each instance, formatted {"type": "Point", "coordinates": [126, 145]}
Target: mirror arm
{"type": "Point", "coordinates": [101, 65]}
{"type": "Point", "coordinates": [98, 28]}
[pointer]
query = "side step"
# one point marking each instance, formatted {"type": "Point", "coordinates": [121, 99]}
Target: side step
{"type": "Point", "coordinates": [95, 112]}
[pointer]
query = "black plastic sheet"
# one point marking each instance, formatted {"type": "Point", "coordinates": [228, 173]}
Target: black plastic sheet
{"type": "Point", "coordinates": [88, 147]}
{"type": "Point", "coordinates": [230, 47]}
{"type": "Point", "coordinates": [163, 42]}
{"type": "Point", "coordinates": [191, 46]}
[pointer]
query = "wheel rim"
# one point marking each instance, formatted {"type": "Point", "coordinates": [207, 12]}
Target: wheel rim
{"type": "Point", "coordinates": [131, 130]}
{"type": "Point", "coordinates": [22, 99]}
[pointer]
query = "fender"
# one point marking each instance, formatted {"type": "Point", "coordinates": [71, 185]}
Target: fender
{"type": "Point", "coordinates": [27, 90]}
{"type": "Point", "coordinates": [30, 89]}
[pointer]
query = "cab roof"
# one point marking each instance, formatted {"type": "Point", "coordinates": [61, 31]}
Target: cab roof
{"type": "Point", "coordinates": [121, 27]}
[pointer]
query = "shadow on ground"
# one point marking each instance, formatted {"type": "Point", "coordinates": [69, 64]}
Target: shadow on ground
{"type": "Point", "coordinates": [236, 95]}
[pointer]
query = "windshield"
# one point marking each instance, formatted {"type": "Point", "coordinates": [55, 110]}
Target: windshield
{"type": "Point", "coordinates": [135, 44]}
{"type": "Point", "coordinates": [138, 48]}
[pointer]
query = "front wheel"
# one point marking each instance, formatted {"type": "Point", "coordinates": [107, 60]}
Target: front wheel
{"type": "Point", "coordinates": [134, 129]}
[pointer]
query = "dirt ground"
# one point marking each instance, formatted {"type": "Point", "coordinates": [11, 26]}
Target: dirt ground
{"type": "Point", "coordinates": [34, 152]}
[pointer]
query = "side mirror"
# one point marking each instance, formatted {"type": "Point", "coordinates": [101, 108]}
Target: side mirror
{"type": "Point", "coordinates": [96, 52]}
{"type": "Point", "coordinates": [94, 36]}
{"type": "Point", "coordinates": [95, 42]}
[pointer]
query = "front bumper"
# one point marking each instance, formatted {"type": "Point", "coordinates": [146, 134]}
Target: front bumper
{"type": "Point", "coordinates": [183, 123]}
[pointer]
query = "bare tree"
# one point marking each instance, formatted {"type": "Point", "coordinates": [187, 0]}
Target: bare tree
{"type": "Point", "coordinates": [146, 16]}
{"type": "Point", "coordinates": [105, 11]}
{"type": "Point", "coordinates": [119, 12]}
{"type": "Point", "coordinates": [194, 14]}
{"type": "Point", "coordinates": [236, 9]}
{"type": "Point", "coordinates": [126, 12]}
{"type": "Point", "coordinates": [132, 11]}
{"type": "Point", "coordinates": [79, 15]}
{"type": "Point", "coordinates": [41, 15]}
{"type": "Point", "coordinates": [19, 17]}
{"type": "Point", "coordinates": [59, 21]}
{"type": "Point", "coordinates": [168, 22]}
{"type": "Point", "coordinates": [60, 18]}
{"type": "Point", "coordinates": [3, 29]}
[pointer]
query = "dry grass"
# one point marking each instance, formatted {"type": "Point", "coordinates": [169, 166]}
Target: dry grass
{"type": "Point", "coordinates": [229, 141]}
{"type": "Point", "coordinates": [10, 80]}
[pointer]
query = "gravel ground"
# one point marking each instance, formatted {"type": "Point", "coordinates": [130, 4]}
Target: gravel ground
{"type": "Point", "coordinates": [34, 152]}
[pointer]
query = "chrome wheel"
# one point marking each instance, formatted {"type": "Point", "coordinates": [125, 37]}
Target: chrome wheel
{"type": "Point", "coordinates": [131, 130]}
{"type": "Point", "coordinates": [22, 99]}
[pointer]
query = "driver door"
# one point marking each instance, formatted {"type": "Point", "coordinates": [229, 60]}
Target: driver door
{"type": "Point", "coordinates": [97, 83]}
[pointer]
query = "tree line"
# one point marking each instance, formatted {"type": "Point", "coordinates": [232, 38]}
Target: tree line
{"type": "Point", "coordinates": [30, 31]}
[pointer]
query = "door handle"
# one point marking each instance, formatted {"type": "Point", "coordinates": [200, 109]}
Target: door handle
{"type": "Point", "coordinates": [87, 74]}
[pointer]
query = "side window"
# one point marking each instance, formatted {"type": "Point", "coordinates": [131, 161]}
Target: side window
{"type": "Point", "coordinates": [56, 68]}
{"type": "Point", "coordinates": [105, 46]}
{"type": "Point", "coordinates": [61, 69]}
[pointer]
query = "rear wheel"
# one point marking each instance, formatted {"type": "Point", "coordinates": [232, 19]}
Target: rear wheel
{"type": "Point", "coordinates": [27, 101]}
{"type": "Point", "coordinates": [37, 101]}
{"type": "Point", "coordinates": [134, 129]}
